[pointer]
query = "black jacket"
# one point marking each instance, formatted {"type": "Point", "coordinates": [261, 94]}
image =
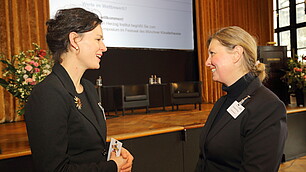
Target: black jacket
{"type": "Point", "coordinates": [61, 136]}
{"type": "Point", "coordinates": [252, 142]}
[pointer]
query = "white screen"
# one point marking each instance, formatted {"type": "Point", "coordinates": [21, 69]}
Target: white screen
{"type": "Point", "coordinates": [161, 24]}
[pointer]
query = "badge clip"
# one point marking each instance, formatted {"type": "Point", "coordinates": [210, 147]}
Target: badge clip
{"type": "Point", "coordinates": [244, 99]}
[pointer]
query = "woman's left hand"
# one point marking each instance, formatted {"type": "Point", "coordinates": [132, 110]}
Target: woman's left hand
{"type": "Point", "coordinates": [127, 167]}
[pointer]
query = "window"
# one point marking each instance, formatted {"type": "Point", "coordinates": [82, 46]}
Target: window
{"type": "Point", "coordinates": [290, 25]}
{"type": "Point", "coordinates": [300, 12]}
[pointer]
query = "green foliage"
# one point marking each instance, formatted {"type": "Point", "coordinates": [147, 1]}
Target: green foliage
{"type": "Point", "coordinates": [23, 71]}
{"type": "Point", "coordinates": [295, 76]}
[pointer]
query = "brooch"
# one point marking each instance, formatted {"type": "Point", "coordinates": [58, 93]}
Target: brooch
{"type": "Point", "coordinates": [78, 102]}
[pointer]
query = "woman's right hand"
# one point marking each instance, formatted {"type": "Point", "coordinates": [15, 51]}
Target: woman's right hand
{"type": "Point", "coordinates": [120, 161]}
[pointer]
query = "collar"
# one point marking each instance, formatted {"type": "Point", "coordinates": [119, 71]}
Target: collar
{"type": "Point", "coordinates": [64, 77]}
{"type": "Point", "coordinates": [236, 89]}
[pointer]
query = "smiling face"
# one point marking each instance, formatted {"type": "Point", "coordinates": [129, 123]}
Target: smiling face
{"type": "Point", "coordinates": [91, 48]}
{"type": "Point", "coordinates": [222, 63]}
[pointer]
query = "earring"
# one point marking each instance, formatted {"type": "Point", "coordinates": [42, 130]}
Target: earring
{"type": "Point", "coordinates": [77, 48]}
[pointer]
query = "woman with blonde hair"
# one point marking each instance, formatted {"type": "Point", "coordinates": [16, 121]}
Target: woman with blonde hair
{"type": "Point", "coordinates": [246, 129]}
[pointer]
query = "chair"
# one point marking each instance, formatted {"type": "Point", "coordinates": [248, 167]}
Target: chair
{"type": "Point", "coordinates": [132, 96]}
{"type": "Point", "coordinates": [189, 92]}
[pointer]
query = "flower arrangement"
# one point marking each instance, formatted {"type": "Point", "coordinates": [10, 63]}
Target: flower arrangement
{"type": "Point", "coordinates": [23, 71]}
{"type": "Point", "coordinates": [295, 76]}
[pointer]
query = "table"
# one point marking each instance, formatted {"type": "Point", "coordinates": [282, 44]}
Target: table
{"type": "Point", "coordinates": [152, 90]}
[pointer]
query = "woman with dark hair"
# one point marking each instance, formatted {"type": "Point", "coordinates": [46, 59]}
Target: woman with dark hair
{"type": "Point", "coordinates": [246, 129]}
{"type": "Point", "coordinates": [65, 122]}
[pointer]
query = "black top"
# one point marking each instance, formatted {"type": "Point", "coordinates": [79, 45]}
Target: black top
{"type": "Point", "coordinates": [233, 92]}
{"type": "Point", "coordinates": [86, 107]}
{"type": "Point", "coordinates": [254, 140]}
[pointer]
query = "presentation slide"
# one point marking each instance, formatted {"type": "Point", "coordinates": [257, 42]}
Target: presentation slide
{"type": "Point", "coordinates": [161, 24]}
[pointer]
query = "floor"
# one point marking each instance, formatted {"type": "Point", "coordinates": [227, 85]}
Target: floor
{"type": "Point", "coordinates": [13, 136]}
{"type": "Point", "coordinates": [296, 165]}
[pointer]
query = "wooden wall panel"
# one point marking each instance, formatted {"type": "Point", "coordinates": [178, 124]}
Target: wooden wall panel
{"type": "Point", "coordinates": [255, 16]}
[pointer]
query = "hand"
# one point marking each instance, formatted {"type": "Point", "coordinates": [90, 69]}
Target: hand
{"type": "Point", "coordinates": [120, 161]}
{"type": "Point", "coordinates": [127, 167]}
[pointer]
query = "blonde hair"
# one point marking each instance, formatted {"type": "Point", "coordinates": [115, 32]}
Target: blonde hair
{"type": "Point", "coordinates": [233, 36]}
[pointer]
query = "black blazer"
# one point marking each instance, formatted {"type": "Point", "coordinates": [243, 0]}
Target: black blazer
{"type": "Point", "coordinates": [61, 136]}
{"type": "Point", "coordinates": [252, 142]}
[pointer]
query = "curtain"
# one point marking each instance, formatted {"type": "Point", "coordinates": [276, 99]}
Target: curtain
{"type": "Point", "coordinates": [22, 22]}
{"type": "Point", "coordinates": [256, 17]}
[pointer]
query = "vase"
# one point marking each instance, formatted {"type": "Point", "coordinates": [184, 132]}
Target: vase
{"type": "Point", "coordinates": [299, 94]}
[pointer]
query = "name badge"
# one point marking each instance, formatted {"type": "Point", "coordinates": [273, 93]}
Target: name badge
{"type": "Point", "coordinates": [235, 109]}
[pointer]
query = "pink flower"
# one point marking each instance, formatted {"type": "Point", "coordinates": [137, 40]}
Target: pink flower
{"type": "Point", "coordinates": [36, 70]}
{"type": "Point", "coordinates": [28, 68]}
{"type": "Point", "coordinates": [29, 80]}
{"type": "Point", "coordinates": [36, 64]}
{"type": "Point", "coordinates": [33, 83]}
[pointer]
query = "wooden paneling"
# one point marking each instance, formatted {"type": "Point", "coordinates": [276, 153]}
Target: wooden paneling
{"type": "Point", "coordinates": [255, 16]}
{"type": "Point", "coordinates": [22, 22]}
{"type": "Point", "coordinates": [296, 140]}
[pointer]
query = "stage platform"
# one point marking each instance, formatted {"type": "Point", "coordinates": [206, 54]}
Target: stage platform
{"type": "Point", "coordinates": [14, 139]}
{"type": "Point", "coordinates": [153, 138]}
